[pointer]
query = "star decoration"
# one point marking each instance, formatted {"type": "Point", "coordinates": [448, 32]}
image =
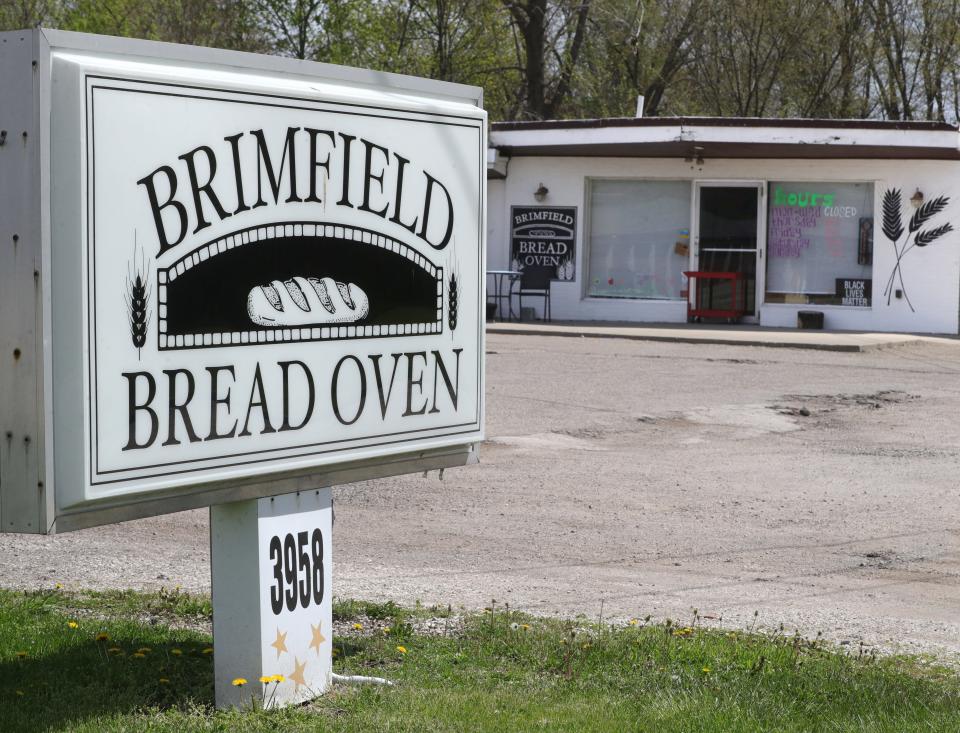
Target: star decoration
{"type": "Point", "coordinates": [318, 638]}
{"type": "Point", "coordinates": [281, 643]}
{"type": "Point", "coordinates": [297, 674]}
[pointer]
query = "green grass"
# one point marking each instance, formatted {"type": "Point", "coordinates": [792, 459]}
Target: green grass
{"type": "Point", "coordinates": [497, 671]}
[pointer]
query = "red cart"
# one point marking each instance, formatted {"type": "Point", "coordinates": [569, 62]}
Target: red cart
{"type": "Point", "coordinates": [702, 285]}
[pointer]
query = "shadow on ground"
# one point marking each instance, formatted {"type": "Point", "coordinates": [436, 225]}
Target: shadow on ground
{"type": "Point", "coordinates": [89, 681]}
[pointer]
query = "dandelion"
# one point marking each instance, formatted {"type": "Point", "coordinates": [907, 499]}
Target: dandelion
{"type": "Point", "coordinates": [115, 650]}
{"type": "Point", "coordinates": [514, 626]}
{"type": "Point", "coordinates": [705, 670]}
{"type": "Point", "coordinates": [208, 650]}
{"type": "Point", "coordinates": [402, 649]}
{"type": "Point", "coordinates": [266, 679]}
{"type": "Point", "coordinates": [634, 622]}
{"type": "Point", "coordinates": [239, 682]}
{"type": "Point", "coordinates": [144, 650]}
{"type": "Point", "coordinates": [357, 627]}
{"type": "Point", "coordinates": [21, 655]}
{"type": "Point", "coordinates": [58, 586]}
{"type": "Point", "coordinates": [525, 627]}
{"type": "Point", "coordinates": [103, 636]}
{"type": "Point", "coordinates": [386, 629]}
{"type": "Point", "coordinates": [72, 624]}
{"type": "Point", "coordinates": [278, 678]}
{"type": "Point", "coordinates": [19, 693]}
{"type": "Point", "coordinates": [164, 681]}
{"type": "Point", "coordinates": [139, 655]}
{"type": "Point", "coordinates": [176, 652]}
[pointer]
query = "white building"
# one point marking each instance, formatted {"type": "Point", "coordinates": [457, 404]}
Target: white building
{"type": "Point", "coordinates": [851, 219]}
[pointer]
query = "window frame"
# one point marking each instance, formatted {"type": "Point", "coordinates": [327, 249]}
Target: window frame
{"type": "Point", "coordinates": [587, 248]}
{"type": "Point", "coordinates": [819, 306]}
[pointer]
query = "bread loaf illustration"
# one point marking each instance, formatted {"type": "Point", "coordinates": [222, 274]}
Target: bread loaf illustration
{"type": "Point", "coordinates": [304, 301]}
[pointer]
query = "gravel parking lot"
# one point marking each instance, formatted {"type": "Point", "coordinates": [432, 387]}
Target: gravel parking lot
{"type": "Point", "coordinates": [814, 489]}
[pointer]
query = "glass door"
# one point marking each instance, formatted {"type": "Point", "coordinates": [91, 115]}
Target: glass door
{"type": "Point", "coordinates": [727, 239]}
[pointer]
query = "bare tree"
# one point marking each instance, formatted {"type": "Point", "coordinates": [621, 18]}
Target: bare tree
{"type": "Point", "coordinates": [914, 57]}
{"type": "Point", "coordinates": [542, 59]}
{"type": "Point", "coordinates": [938, 59]}
{"type": "Point", "coordinates": [895, 27]}
{"type": "Point", "coordinates": [294, 25]}
{"type": "Point", "coordinates": [222, 23]}
{"type": "Point", "coordinates": [551, 34]}
{"type": "Point", "coordinates": [742, 48]}
{"type": "Point", "coordinates": [828, 75]}
{"type": "Point", "coordinates": [637, 47]}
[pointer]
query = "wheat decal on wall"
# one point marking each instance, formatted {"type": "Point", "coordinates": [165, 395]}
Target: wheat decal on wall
{"type": "Point", "coordinates": [893, 230]}
{"type": "Point", "coordinates": [136, 296]}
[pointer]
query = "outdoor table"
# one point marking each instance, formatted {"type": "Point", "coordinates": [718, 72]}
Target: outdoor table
{"type": "Point", "coordinates": [498, 296]}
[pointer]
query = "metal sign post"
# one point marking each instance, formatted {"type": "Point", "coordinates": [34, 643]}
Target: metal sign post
{"type": "Point", "coordinates": [271, 573]}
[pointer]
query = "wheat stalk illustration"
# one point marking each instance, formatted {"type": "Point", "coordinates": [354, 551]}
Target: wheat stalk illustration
{"type": "Point", "coordinates": [138, 315]}
{"type": "Point", "coordinates": [453, 289]}
{"type": "Point", "coordinates": [452, 303]}
{"type": "Point", "coordinates": [893, 230]}
{"type": "Point", "coordinates": [136, 297]}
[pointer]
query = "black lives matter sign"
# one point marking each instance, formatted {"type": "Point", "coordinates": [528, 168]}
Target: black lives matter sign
{"type": "Point", "coordinates": [544, 237]}
{"type": "Point", "coordinates": [854, 291]}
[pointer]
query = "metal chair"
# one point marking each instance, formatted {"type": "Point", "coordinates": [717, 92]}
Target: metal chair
{"type": "Point", "coordinates": [535, 281]}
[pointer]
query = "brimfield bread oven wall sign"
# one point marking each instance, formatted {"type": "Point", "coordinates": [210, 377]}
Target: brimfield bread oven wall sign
{"type": "Point", "coordinates": [228, 276]}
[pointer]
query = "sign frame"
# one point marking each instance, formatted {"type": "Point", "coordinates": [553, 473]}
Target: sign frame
{"type": "Point", "coordinates": [36, 334]}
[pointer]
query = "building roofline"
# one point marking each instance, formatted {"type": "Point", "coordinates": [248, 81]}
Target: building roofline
{"type": "Point", "coordinates": [841, 124]}
{"type": "Point", "coordinates": [694, 138]}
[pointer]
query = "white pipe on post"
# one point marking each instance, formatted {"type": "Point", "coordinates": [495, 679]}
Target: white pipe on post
{"type": "Point", "coordinates": [356, 679]}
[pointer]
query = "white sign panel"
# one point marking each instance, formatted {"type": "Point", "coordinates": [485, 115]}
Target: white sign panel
{"type": "Point", "coordinates": [256, 272]}
{"type": "Point", "coordinates": [268, 285]}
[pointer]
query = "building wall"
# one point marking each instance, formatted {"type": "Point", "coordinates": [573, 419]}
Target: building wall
{"type": "Point", "coordinates": [931, 274]}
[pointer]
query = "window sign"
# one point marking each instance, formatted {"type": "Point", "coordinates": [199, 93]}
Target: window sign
{"type": "Point", "coordinates": [639, 239]}
{"type": "Point", "coordinates": [544, 237]}
{"type": "Point", "coordinates": [854, 292]}
{"type": "Point", "coordinates": [819, 234]}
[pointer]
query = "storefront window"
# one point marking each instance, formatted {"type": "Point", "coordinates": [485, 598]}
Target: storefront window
{"type": "Point", "coordinates": [639, 239]}
{"type": "Point", "coordinates": [820, 243]}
